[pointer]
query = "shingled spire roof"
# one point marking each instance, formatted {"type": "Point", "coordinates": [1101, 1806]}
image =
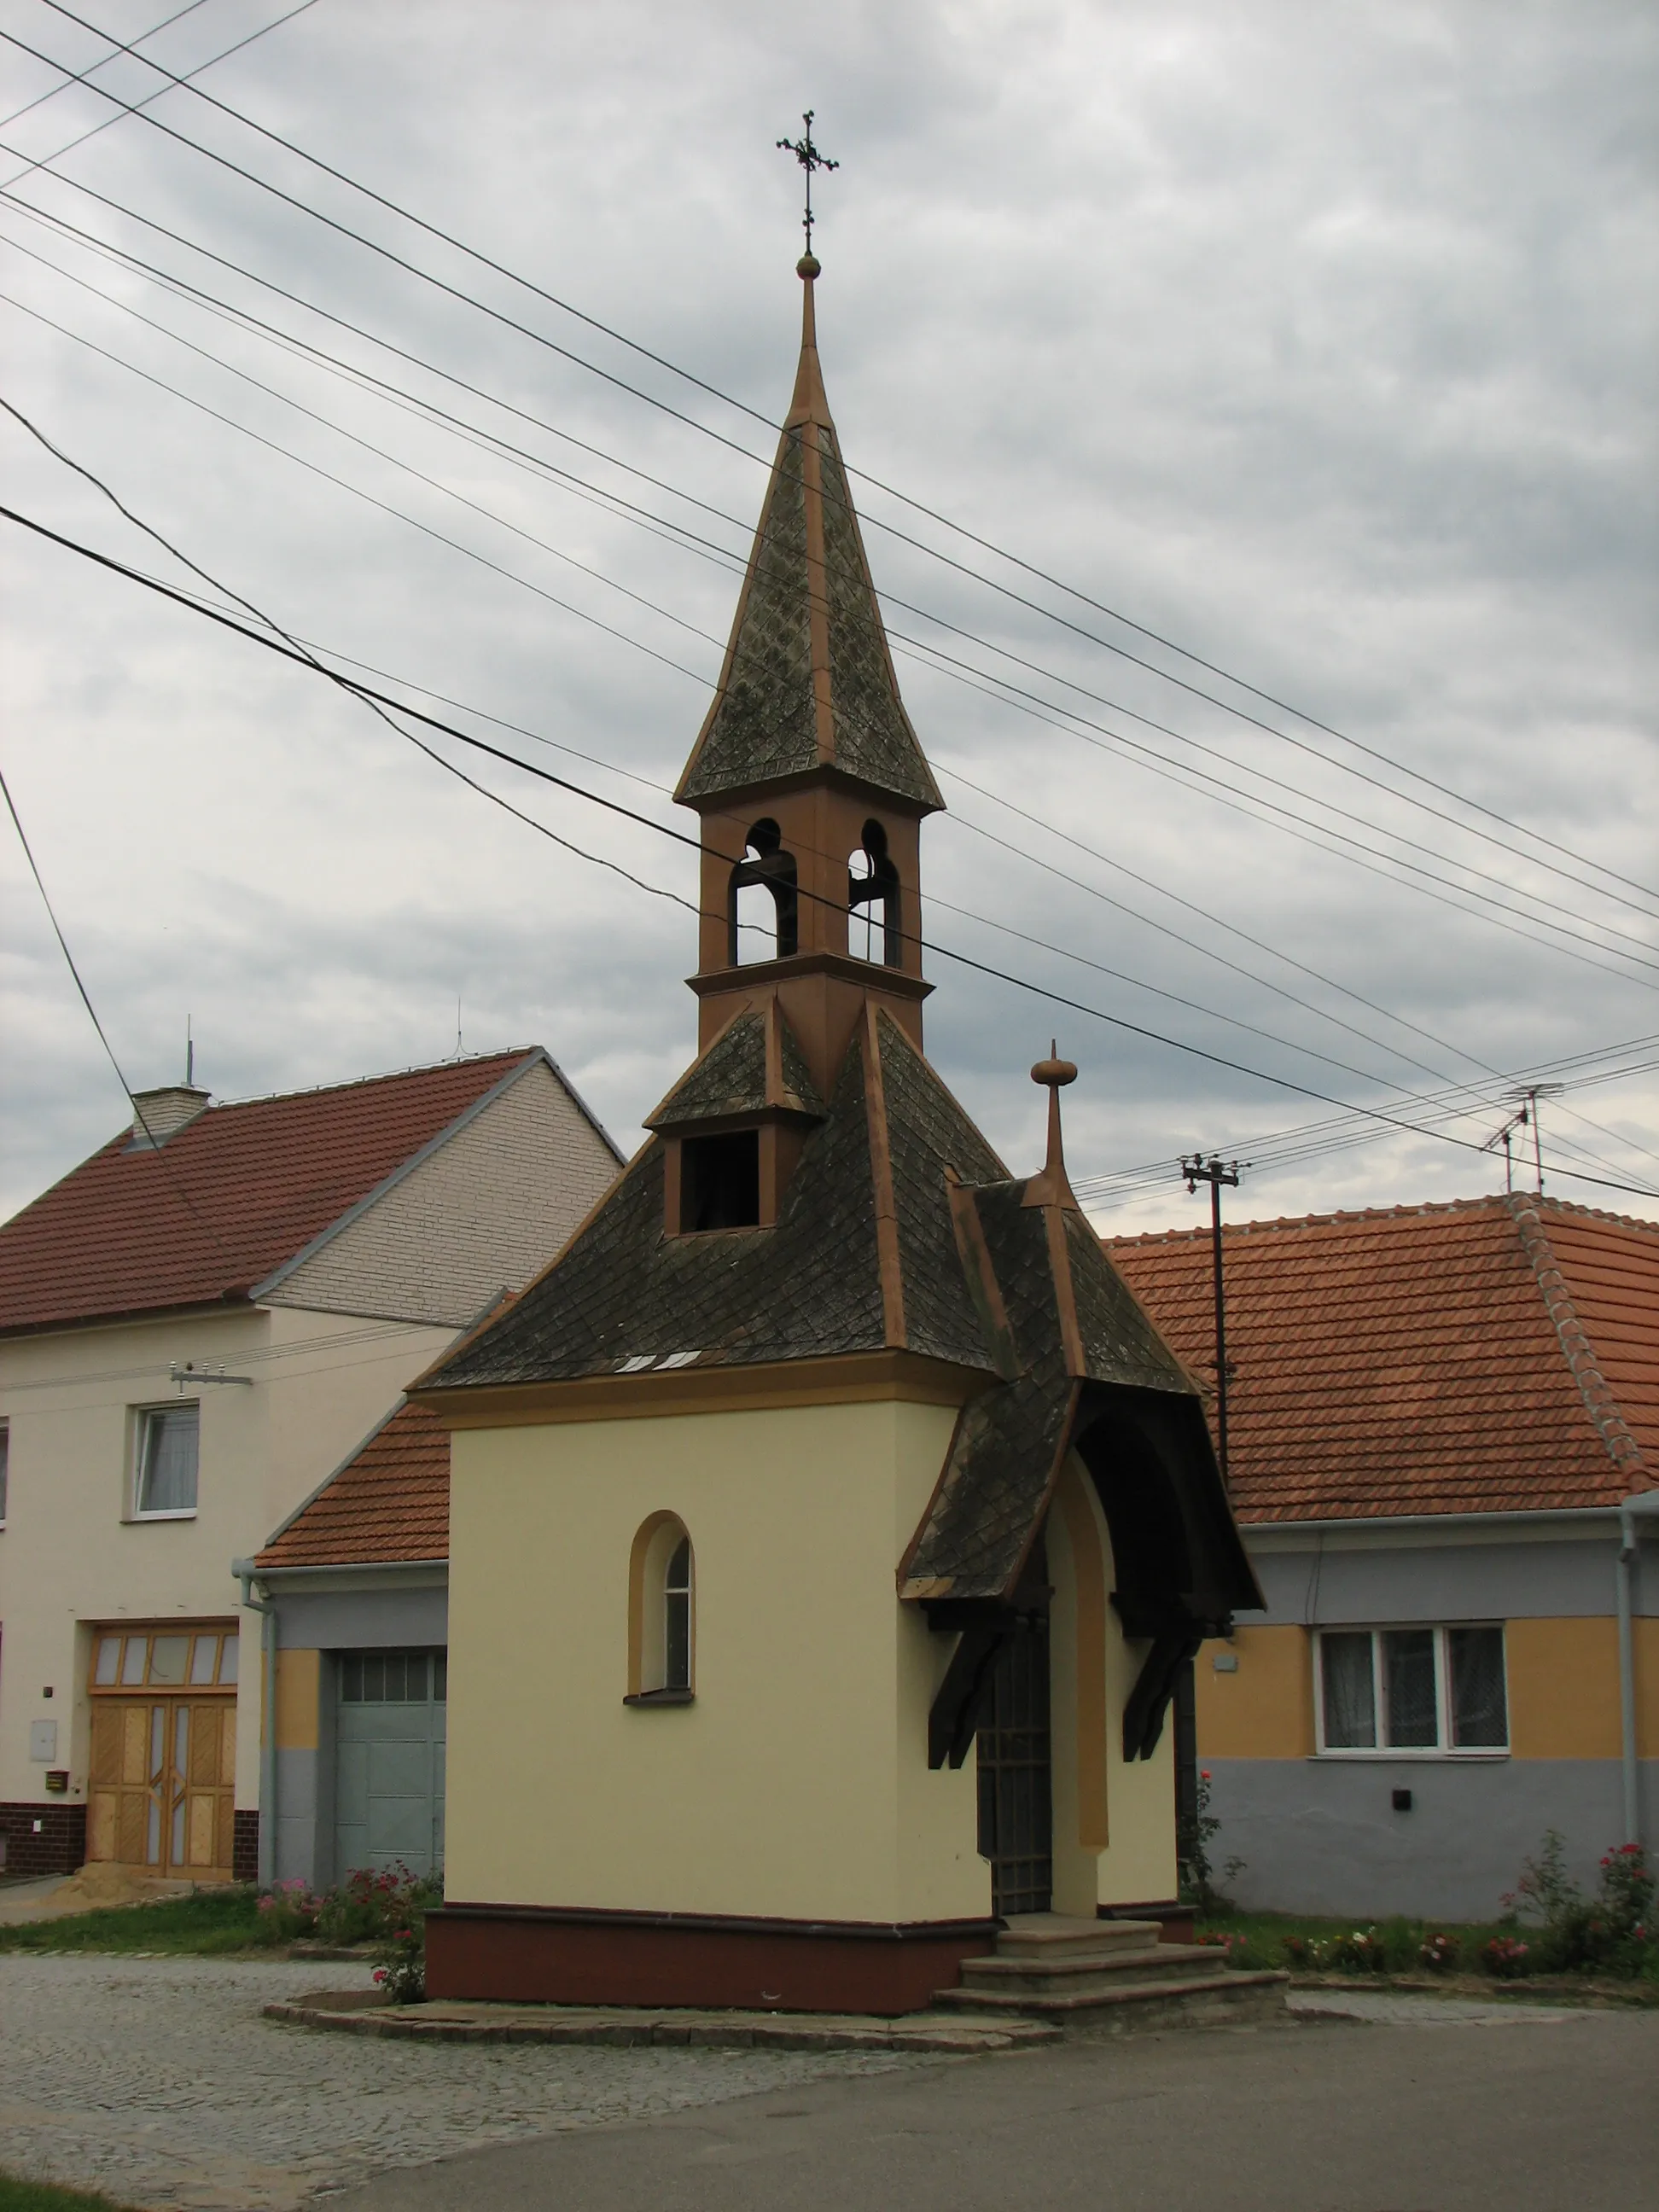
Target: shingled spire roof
{"type": "Point", "coordinates": [808, 681]}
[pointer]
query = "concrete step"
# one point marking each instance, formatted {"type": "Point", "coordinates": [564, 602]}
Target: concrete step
{"type": "Point", "coordinates": [1059, 1936]}
{"type": "Point", "coordinates": [1195, 2001]}
{"type": "Point", "coordinates": [1080, 1975]}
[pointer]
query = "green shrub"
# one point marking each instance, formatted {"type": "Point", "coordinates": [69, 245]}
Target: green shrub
{"type": "Point", "coordinates": [18, 2196]}
{"type": "Point", "coordinates": [371, 1906]}
{"type": "Point", "coordinates": [1610, 1933]}
{"type": "Point", "coordinates": [1197, 1877]}
{"type": "Point", "coordinates": [1506, 1957]}
{"type": "Point", "coordinates": [286, 1909]}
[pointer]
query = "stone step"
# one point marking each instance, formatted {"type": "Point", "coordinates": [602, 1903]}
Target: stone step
{"type": "Point", "coordinates": [1197, 2001]}
{"type": "Point", "coordinates": [1074, 1976]}
{"type": "Point", "coordinates": [1059, 1936]}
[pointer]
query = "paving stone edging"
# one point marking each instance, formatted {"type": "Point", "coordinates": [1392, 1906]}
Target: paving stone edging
{"type": "Point", "coordinates": [631, 2030]}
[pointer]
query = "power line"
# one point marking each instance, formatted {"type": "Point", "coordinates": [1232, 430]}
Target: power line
{"type": "Point", "coordinates": [1047, 613]}
{"type": "Point", "coordinates": [959, 671]}
{"type": "Point", "coordinates": [79, 76]}
{"type": "Point", "coordinates": [1469, 1092]}
{"type": "Point", "coordinates": [84, 76]}
{"type": "Point", "coordinates": [156, 1144]}
{"type": "Point", "coordinates": [287, 649]}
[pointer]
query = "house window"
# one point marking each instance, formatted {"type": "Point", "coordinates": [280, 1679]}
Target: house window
{"type": "Point", "coordinates": [393, 1678]}
{"type": "Point", "coordinates": [166, 1460]}
{"type": "Point", "coordinates": [5, 1458]}
{"type": "Point", "coordinates": [677, 1618]}
{"type": "Point", "coordinates": [164, 1659]}
{"type": "Point", "coordinates": [661, 1614]}
{"type": "Point", "coordinates": [1420, 1690]}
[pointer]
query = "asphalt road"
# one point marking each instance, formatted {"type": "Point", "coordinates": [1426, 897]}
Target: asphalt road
{"type": "Point", "coordinates": [1539, 2115]}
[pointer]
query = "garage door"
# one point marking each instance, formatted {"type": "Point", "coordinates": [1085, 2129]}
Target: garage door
{"type": "Point", "coordinates": [389, 1774]}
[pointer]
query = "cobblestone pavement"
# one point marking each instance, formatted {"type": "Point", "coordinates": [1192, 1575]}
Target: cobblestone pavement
{"type": "Point", "coordinates": [1401, 2008]}
{"type": "Point", "coordinates": [157, 2080]}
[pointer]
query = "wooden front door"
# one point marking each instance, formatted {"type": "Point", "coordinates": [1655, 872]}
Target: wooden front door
{"type": "Point", "coordinates": [161, 1788]}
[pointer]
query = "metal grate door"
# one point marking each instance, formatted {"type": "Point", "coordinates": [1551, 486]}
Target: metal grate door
{"type": "Point", "coordinates": [1016, 1811]}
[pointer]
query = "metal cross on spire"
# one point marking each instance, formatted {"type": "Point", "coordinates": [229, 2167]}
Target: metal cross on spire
{"type": "Point", "coordinates": [809, 159]}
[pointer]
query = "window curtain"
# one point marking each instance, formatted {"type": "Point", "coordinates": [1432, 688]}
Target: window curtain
{"type": "Point", "coordinates": [1350, 1696]}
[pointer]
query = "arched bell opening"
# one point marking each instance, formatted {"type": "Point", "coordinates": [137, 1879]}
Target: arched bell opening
{"type": "Point", "coordinates": [763, 904]}
{"type": "Point", "coordinates": [874, 926]}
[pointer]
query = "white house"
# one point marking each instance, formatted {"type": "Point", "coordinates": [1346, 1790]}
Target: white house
{"type": "Point", "coordinates": [196, 1326]}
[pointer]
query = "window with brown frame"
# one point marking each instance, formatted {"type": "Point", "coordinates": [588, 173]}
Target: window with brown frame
{"type": "Point", "coordinates": [192, 1659]}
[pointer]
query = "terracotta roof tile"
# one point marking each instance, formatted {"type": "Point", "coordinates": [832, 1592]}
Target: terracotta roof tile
{"type": "Point", "coordinates": [389, 1503]}
{"type": "Point", "coordinates": [225, 1200]}
{"type": "Point", "coordinates": [1494, 1355]}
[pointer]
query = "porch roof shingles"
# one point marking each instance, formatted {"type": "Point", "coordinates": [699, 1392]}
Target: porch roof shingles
{"type": "Point", "coordinates": [225, 1200]}
{"type": "Point", "coordinates": [1406, 1362]}
{"type": "Point", "coordinates": [388, 1505]}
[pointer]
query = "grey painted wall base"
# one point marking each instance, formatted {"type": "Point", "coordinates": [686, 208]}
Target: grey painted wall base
{"type": "Point", "coordinates": [1321, 1836]}
{"type": "Point", "coordinates": [297, 1778]}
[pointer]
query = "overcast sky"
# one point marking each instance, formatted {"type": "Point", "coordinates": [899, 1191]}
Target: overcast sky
{"type": "Point", "coordinates": [1318, 340]}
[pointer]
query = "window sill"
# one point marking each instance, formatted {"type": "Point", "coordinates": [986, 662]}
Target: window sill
{"type": "Point", "coordinates": [165, 1513]}
{"type": "Point", "coordinates": [660, 1698]}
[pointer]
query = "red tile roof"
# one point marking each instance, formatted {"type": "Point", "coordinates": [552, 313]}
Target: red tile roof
{"type": "Point", "coordinates": [1496, 1355]}
{"type": "Point", "coordinates": [224, 1202]}
{"type": "Point", "coordinates": [389, 1503]}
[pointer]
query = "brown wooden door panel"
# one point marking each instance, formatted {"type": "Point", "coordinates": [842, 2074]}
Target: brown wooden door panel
{"type": "Point", "coordinates": [102, 1807]}
{"type": "Point", "coordinates": [163, 1778]}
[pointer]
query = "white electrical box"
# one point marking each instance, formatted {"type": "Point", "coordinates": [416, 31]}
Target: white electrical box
{"type": "Point", "coordinates": [43, 1742]}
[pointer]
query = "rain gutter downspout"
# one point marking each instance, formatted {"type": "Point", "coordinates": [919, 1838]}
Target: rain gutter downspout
{"type": "Point", "coordinates": [244, 1571]}
{"type": "Point", "coordinates": [1644, 1506]}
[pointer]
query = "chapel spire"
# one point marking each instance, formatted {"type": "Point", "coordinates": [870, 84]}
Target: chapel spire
{"type": "Point", "coordinates": [808, 682]}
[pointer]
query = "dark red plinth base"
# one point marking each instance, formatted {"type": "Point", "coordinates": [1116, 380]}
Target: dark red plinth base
{"type": "Point", "coordinates": [541, 1955]}
{"type": "Point", "coordinates": [1175, 1920]}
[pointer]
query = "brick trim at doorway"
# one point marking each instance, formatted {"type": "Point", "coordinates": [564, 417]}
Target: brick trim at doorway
{"type": "Point", "coordinates": [60, 1847]}
{"type": "Point", "coordinates": [245, 1846]}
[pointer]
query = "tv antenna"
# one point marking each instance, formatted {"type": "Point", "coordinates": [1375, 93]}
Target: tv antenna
{"type": "Point", "coordinates": [1527, 1096]}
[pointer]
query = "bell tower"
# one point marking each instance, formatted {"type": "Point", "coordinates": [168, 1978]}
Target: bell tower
{"type": "Point", "coordinates": [807, 778]}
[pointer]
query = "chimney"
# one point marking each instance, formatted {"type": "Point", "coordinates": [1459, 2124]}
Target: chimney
{"type": "Point", "coordinates": [159, 1115]}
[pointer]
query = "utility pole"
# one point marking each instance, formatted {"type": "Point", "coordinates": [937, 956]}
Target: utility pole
{"type": "Point", "coordinates": [1198, 1170]}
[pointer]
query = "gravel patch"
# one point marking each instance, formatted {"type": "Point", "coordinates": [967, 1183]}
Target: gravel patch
{"type": "Point", "coordinates": [159, 2080]}
{"type": "Point", "coordinates": [1399, 2010]}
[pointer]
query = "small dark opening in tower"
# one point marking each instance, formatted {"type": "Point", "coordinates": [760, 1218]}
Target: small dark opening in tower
{"type": "Point", "coordinates": [874, 931]}
{"type": "Point", "coordinates": [720, 1181]}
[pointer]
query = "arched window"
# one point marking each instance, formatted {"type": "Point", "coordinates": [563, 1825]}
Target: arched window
{"type": "Point", "coordinates": [872, 884]}
{"type": "Point", "coordinates": [761, 908]}
{"type": "Point", "coordinates": [661, 1614]}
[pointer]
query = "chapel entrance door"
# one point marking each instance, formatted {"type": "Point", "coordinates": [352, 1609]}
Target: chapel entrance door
{"type": "Point", "coordinates": [1016, 1806]}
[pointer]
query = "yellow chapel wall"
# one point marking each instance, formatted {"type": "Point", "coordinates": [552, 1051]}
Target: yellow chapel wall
{"type": "Point", "coordinates": [797, 1784]}
{"type": "Point", "coordinates": [1114, 1819]}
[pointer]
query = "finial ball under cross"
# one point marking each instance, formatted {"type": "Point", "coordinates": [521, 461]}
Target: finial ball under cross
{"type": "Point", "coordinates": [809, 159]}
{"type": "Point", "coordinates": [1056, 1073]}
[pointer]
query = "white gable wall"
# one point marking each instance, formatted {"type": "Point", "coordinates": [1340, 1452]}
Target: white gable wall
{"type": "Point", "coordinates": [484, 1213]}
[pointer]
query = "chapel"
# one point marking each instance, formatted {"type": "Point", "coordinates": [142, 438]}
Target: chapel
{"type": "Point", "coordinates": [829, 1526]}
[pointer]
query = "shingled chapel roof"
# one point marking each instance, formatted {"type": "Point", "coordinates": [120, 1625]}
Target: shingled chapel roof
{"type": "Point", "coordinates": [900, 1229]}
{"type": "Point", "coordinates": [808, 680]}
{"type": "Point", "coordinates": [894, 1233]}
